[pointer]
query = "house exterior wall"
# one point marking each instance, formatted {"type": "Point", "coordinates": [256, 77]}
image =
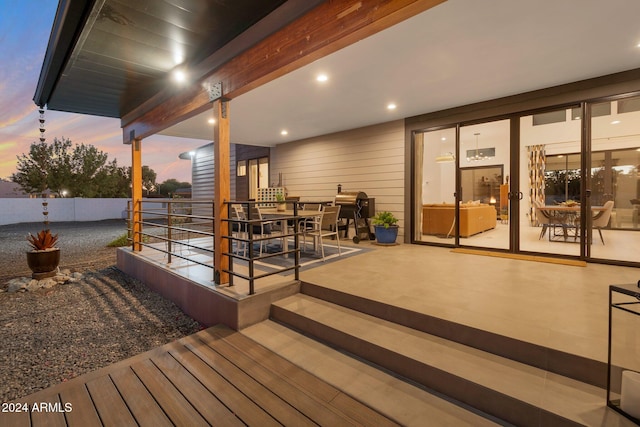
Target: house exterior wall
{"type": "Point", "coordinates": [202, 172]}
{"type": "Point", "coordinates": [202, 169]}
{"type": "Point", "coordinates": [369, 159]}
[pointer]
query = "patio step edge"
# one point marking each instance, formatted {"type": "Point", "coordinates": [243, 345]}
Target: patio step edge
{"type": "Point", "coordinates": [574, 366]}
{"type": "Point", "coordinates": [476, 378]}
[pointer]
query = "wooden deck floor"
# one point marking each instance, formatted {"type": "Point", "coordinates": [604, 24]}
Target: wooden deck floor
{"type": "Point", "coordinates": [215, 377]}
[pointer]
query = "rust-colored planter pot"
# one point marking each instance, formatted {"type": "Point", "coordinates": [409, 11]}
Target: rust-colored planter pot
{"type": "Point", "coordinates": [43, 264]}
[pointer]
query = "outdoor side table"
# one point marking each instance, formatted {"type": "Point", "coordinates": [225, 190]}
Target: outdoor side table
{"type": "Point", "coordinates": [623, 367]}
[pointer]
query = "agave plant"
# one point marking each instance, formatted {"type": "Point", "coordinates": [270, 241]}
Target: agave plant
{"type": "Point", "coordinates": [43, 240]}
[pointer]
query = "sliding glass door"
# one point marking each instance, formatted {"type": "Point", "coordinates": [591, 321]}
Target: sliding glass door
{"type": "Point", "coordinates": [614, 202]}
{"type": "Point", "coordinates": [435, 178]}
{"type": "Point", "coordinates": [563, 181]}
{"type": "Point", "coordinates": [484, 185]}
{"type": "Point", "coordinates": [476, 214]}
{"type": "Point", "coordinates": [551, 182]}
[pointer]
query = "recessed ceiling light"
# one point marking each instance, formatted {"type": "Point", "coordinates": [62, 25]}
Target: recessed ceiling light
{"type": "Point", "coordinates": [615, 122]}
{"type": "Point", "coordinates": [211, 121]}
{"type": "Point", "coordinates": [179, 75]}
{"type": "Point", "coordinates": [284, 132]}
{"type": "Point", "coordinates": [444, 138]}
{"type": "Point", "coordinates": [322, 78]}
{"type": "Point", "coordinates": [391, 106]}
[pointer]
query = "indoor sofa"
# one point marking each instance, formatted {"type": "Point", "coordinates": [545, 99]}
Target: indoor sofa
{"type": "Point", "coordinates": [437, 219]}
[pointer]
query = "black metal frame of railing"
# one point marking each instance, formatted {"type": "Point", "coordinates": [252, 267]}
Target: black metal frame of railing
{"type": "Point", "coordinates": [178, 216]}
{"type": "Point", "coordinates": [248, 225]}
{"type": "Point", "coordinates": [175, 216]}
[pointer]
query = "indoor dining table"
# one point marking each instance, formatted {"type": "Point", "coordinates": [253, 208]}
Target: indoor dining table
{"type": "Point", "coordinates": [568, 217]}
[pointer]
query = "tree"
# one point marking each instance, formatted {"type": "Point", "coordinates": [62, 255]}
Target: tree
{"type": "Point", "coordinates": [168, 187]}
{"type": "Point", "coordinates": [114, 181]}
{"type": "Point", "coordinates": [148, 179]}
{"type": "Point", "coordinates": [81, 169]}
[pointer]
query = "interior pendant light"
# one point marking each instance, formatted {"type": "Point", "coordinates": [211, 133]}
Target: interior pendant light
{"type": "Point", "coordinates": [477, 157]}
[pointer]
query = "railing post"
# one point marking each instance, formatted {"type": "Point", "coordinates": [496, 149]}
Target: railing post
{"type": "Point", "coordinates": [230, 222]}
{"type": "Point", "coordinates": [169, 233]}
{"type": "Point", "coordinates": [296, 242]}
{"type": "Point", "coordinates": [251, 254]}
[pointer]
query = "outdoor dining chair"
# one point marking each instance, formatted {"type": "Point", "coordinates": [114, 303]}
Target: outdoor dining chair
{"type": "Point", "coordinates": [324, 225]}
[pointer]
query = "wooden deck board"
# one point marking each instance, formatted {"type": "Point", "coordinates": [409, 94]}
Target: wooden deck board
{"type": "Point", "coordinates": [261, 395]}
{"type": "Point", "coordinates": [112, 409]}
{"type": "Point", "coordinates": [15, 419]}
{"type": "Point", "coordinates": [303, 379]}
{"type": "Point", "coordinates": [47, 413]}
{"type": "Point", "coordinates": [200, 398]}
{"type": "Point", "coordinates": [142, 405]}
{"type": "Point", "coordinates": [82, 413]}
{"type": "Point", "coordinates": [236, 401]}
{"type": "Point", "coordinates": [203, 379]}
{"type": "Point", "coordinates": [174, 404]}
{"type": "Point", "coordinates": [317, 410]}
{"type": "Point", "coordinates": [278, 364]}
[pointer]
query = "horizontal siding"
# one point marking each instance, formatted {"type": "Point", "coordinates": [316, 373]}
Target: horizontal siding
{"type": "Point", "coordinates": [202, 172]}
{"type": "Point", "coordinates": [202, 169]}
{"type": "Point", "coordinates": [369, 159]}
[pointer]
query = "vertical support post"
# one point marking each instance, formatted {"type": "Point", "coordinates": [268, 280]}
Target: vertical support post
{"type": "Point", "coordinates": [136, 192]}
{"type": "Point", "coordinates": [169, 232]}
{"type": "Point", "coordinates": [222, 188]}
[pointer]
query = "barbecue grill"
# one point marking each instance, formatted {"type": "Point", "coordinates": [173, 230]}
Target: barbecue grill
{"type": "Point", "coordinates": [356, 206]}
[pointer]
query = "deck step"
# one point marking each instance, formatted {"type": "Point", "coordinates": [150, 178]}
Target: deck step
{"type": "Point", "coordinates": [508, 390]}
{"type": "Point", "coordinates": [405, 403]}
{"type": "Point", "coordinates": [215, 377]}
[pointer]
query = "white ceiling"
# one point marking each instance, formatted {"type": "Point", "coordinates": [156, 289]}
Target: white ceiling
{"type": "Point", "coordinates": [459, 52]}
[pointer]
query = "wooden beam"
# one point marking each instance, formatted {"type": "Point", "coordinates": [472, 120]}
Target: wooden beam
{"type": "Point", "coordinates": [136, 192]}
{"type": "Point", "coordinates": [326, 29]}
{"type": "Point", "coordinates": [222, 189]}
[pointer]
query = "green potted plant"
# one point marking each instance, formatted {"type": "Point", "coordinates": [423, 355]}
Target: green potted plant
{"type": "Point", "coordinates": [386, 228]}
{"type": "Point", "coordinates": [281, 204]}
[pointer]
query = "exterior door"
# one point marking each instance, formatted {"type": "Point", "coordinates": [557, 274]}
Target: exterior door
{"type": "Point", "coordinates": [551, 182]}
{"type": "Point", "coordinates": [613, 205]}
{"type": "Point", "coordinates": [434, 186]}
{"type": "Point", "coordinates": [484, 162]}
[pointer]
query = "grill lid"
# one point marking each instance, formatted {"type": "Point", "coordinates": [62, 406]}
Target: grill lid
{"type": "Point", "coordinates": [349, 197]}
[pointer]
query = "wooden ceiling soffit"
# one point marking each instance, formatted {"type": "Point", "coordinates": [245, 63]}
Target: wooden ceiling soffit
{"type": "Point", "coordinates": [325, 29]}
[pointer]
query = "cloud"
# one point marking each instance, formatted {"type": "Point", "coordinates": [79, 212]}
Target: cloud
{"type": "Point", "coordinates": [24, 31]}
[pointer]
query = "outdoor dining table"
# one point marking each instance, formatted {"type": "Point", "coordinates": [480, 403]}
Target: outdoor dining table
{"type": "Point", "coordinates": [568, 217]}
{"type": "Point", "coordinates": [302, 214]}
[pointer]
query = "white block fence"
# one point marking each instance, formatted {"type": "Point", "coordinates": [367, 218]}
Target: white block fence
{"type": "Point", "coordinates": [14, 211]}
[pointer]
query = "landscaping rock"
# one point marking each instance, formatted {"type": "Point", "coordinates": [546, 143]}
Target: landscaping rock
{"type": "Point", "coordinates": [24, 284]}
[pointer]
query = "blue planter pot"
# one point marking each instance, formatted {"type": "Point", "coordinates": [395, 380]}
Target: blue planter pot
{"type": "Point", "coordinates": [386, 236]}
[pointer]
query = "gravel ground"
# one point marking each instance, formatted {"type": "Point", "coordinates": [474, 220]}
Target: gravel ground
{"type": "Point", "coordinates": [52, 335]}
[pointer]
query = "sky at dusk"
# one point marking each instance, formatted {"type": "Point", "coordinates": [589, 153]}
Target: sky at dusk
{"type": "Point", "coordinates": [25, 26]}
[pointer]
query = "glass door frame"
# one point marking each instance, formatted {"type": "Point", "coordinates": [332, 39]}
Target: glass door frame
{"type": "Point", "coordinates": [570, 96]}
{"type": "Point", "coordinates": [416, 199]}
{"type": "Point", "coordinates": [587, 166]}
